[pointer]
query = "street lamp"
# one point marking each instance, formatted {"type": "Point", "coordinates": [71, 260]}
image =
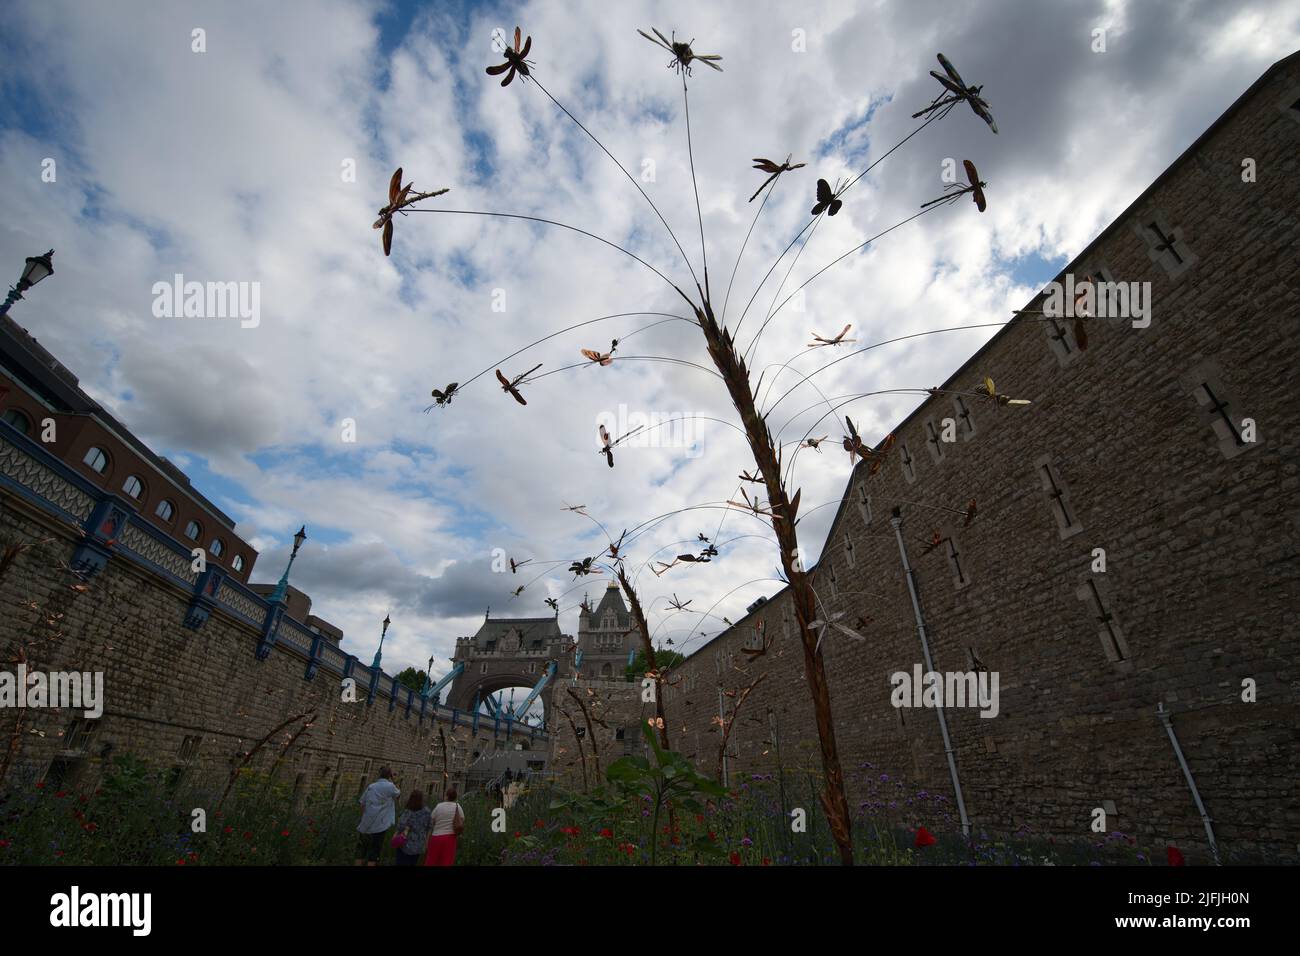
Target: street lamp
{"type": "Point", "coordinates": [298, 539]}
{"type": "Point", "coordinates": [380, 650]}
{"type": "Point", "coordinates": [37, 268]}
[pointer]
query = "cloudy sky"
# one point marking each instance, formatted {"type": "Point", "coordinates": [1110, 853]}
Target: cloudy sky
{"type": "Point", "coordinates": [232, 164]}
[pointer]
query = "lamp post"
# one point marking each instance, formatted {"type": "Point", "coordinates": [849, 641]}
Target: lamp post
{"type": "Point", "coordinates": [298, 539]}
{"type": "Point", "coordinates": [37, 268]}
{"type": "Point", "coordinates": [428, 679]}
{"type": "Point", "coordinates": [380, 650]}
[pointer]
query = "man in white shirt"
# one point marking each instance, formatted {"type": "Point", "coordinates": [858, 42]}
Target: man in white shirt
{"type": "Point", "coordinates": [379, 810]}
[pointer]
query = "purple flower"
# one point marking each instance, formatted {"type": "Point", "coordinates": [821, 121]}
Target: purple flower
{"type": "Point", "coordinates": [746, 842]}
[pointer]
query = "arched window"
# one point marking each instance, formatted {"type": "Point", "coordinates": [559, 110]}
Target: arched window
{"type": "Point", "coordinates": [165, 510]}
{"type": "Point", "coordinates": [216, 548]}
{"type": "Point", "coordinates": [192, 530]}
{"type": "Point", "coordinates": [18, 421]}
{"type": "Point", "coordinates": [133, 487]}
{"type": "Point", "coordinates": [606, 671]}
{"type": "Point", "coordinates": [238, 563]}
{"type": "Point", "coordinates": [97, 459]}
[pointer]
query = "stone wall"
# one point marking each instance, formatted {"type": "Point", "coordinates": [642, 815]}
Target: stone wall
{"type": "Point", "coordinates": [193, 699]}
{"type": "Point", "coordinates": [1200, 533]}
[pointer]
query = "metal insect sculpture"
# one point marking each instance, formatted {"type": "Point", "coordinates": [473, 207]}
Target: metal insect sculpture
{"type": "Point", "coordinates": [511, 385]}
{"type": "Point", "coordinates": [815, 443]}
{"type": "Point", "coordinates": [682, 53]}
{"type": "Point", "coordinates": [516, 60]}
{"type": "Point", "coordinates": [970, 513]}
{"type": "Point", "coordinates": [820, 340]}
{"type": "Point", "coordinates": [955, 190]}
{"type": "Point", "coordinates": [516, 565]}
{"type": "Point", "coordinates": [832, 620]}
{"type": "Point", "coordinates": [988, 390]}
{"type": "Point", "coordinates": [599, 358]}
{"type": "Point", "coordinates": [753, 507]}
{"type": "Point", "coordinates": [553, 604]}
{"type": "Point", "coordinates": [443, 396]}
{"type": "Point", "coordinates": [607, 444]}
{"type": "Point", "coordinates": [399, 197]}
{"type": "Point", "coordinates": [678, 604]}
{"type": "Point", "coordinates": [774, 169]}
{"type": "Point", "coordinates": [583, 567]}
{"type": "Point", "coordinates": [826, 199]}
{"type": "Point", "coordinates": [954, 91]}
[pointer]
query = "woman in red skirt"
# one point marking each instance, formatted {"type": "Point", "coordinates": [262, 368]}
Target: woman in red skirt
{"type": "Point", "coordinates": [448, 823]}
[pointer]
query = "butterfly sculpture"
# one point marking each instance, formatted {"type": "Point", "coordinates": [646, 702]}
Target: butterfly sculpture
{"type": "Point", "coordinates": [553, 604]}
{"type": "Point", "coordinates": [682, 53]}
{"type": "Point", "coordinates": [516, 60]}
{"type": "Point", "coordinates": [826, 200]}
{"type": "Point", "coordinates": [444, 396]}
{"type": "Point", "coordinates": [583, 567]}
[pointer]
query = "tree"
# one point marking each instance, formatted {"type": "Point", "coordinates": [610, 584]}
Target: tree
{"type": "Point", "coordinates": [666, 660]}
{"type": "Point", "coordinates": [412, 678]}
{"type": "Point", "coordinates": [772, 471]}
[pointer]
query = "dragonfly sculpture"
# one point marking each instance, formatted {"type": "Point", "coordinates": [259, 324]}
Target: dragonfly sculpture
{"type": "Point", "coordinates": [683, 55]}
{"type": "Point", "coordinates": [955, 91]}
{"type": "Point", "coordinates": [774, 170]}
{"type": "Point", "coordinates": [974, 186]}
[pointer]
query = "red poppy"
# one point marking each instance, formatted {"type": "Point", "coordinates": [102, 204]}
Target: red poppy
{"type": "Point", "coordinates": [90, 827]}
{"type": "Point", "coordinates": [1175, 856]}
{"type": "Point", "coordinates": [766, 861]}
{"type": "Point", "coordinates": [40, 785]}
{"type": "Point", "coordinates": [713, 836]}
{"type": "Point", "coordinates": [607, 833]}
{"type": "Point", "coordinates": [735, 858]}
{"type": "Point", "coordinates": [539, 825]}
{"type": "Point", "coordinates": [924, 837]}
{"type": "Point", "coordinates": [4, 844]}
{"type": "Point", "coordinates": [248, 834]}
{"type": "Point", "coordinates": [284, 833]}
{"type": "Point", "coordinates": [61, 794]}
{"type": "Point", "coordinates": [229, 830]}
{"type": "Point", "coordinates": [518, 834]}
{"type": "Point", "coordinates": [180, 862]}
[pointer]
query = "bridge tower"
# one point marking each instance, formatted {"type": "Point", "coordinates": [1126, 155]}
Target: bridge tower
{"type": "Point", "coordinates": [507, 652]}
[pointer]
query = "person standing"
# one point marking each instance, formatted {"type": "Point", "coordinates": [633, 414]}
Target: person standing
{"type": "Point", "coordinates": [378, 809]}
{"type": "Point", "coordinates": [448, 824]}
{"type": "Point", "coordinates": [414, 824]}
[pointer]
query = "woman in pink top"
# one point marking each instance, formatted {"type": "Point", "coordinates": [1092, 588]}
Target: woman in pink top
{"type": "Point", "coordinates": [448, 823]}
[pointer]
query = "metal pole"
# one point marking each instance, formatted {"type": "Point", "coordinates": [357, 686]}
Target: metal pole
{"type": "Point", "coordinates": [897, 522]}
{"type": "Point", "coordinates": [722, 716]}
{"type": "Point", "coordinates": [1187, 772]}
